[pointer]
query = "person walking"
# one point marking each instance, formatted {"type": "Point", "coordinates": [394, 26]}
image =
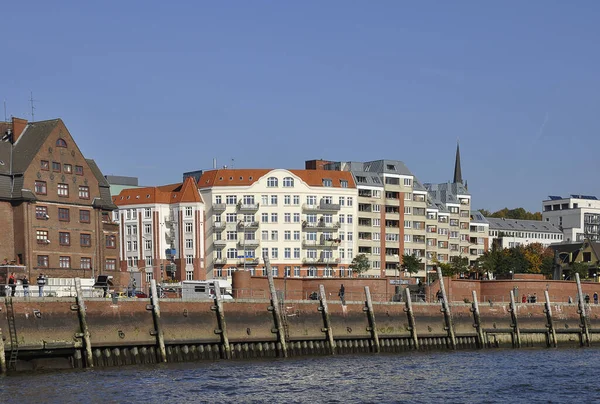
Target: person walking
{"type": "Point", "coordinates": [25, 282]}
{"type": "Point", "coordinates": [595, 297]}
{"type": "Point", "coordinates": [41, 282]}
{"type": "Point", "coordinates": [12, 282]}
{"type": "Point", "coordinates": [342, 294]}
{"type": "Point", "coordinates": [439, 296]}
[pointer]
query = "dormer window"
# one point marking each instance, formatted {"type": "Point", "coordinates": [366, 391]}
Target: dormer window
{"type": "Point", "coordinates": [288, 182]}
{"type": "Point", "coordinates": [272, 182]}
{"type": "Point", "coordinates": [61, 143]}
{"type": "Point", "coordinates": [327, 182]}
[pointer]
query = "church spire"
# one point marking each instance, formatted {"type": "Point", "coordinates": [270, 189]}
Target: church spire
{"type": "Point", "coordinates": [457, 171]}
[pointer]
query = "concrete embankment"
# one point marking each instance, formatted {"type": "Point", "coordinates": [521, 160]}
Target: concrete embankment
{"type": "Point", "coordinates": [72, 333]}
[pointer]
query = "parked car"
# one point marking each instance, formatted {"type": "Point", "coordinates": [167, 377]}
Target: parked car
{"type": "Point", "coordinates": [141, 295]}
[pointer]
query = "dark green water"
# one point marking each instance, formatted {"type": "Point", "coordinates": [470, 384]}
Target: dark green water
{"type": "Point", "coordinates": [490, 376]}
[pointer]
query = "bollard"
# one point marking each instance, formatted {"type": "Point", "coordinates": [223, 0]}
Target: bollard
{"type": "Point", "coordinates": [89, 358]}
{"type": "Point", "coordinates": [515, 324]}
{"type": "Point", "coordinates": [446, 311]}
{"type": "Point", "coordinates": [279, 324]}
{"type": "Point", "coordinates": [2, 355]}
{"type": "Point", "coordinates": [550, 325]}
{"type": "Point", "coordinates": [372, 325]}
{"type": "Point", "coordinates": [160, 338]}
{"type": "Point", "coordinates": [477, 321]}
{"type": "Point", "coordinates": [585, 331]}
{"type": "Point", "coordinates": [412, 325]}
{"type": "Point", "coordinates": [221, 321]}
{"type": "Point", "coordinates": [326, 320]}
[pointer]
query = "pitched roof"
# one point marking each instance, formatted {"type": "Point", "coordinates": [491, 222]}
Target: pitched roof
{"type": "Point", "coordinates": [185, 192]}
{"type": "Point", "coordinates": [104, 202]}
{"type": "Point", "coordinates": [248, 176]}
{"type": "Point", "coordinates": [29, 143]}
{"type": "Point", "coordinates": [521, 225]}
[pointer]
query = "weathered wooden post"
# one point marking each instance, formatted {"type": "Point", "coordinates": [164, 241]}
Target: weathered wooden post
{"type": "Point", "coordinates": [81, 311]}
{"type": "Point", "coordinates": [221, 321]}
{"type": "Point", "coordinates": [2, 355]}
{"type": "Point", "coordinates": [412, 325]}
{"type": "Point", "coordinates": [160, 338]}
{"type": "Point", "coordinates": [372, 325]}
{"type": "Point", "coordinates": [550, 322]}
{"type": "Point", "coordinates": [515, 324]}
{"type": "Point", "coordinates": [446, 310]}
{"type": "Point", "coordinates": [477, 321]}
{"type": "Point", "coordinates": [276, 309]}
{"type": "Point", "coordinates": [585, 332]}
{"type": "Point", "coordinates": [326, 320]}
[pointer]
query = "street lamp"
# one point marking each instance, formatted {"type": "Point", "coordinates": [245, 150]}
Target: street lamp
{"type": "Point", "coordinates": [511, 274]}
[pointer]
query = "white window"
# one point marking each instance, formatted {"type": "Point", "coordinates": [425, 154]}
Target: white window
{"type": "Point", "coordinates": [264, 217]}
{"type": "Point", "coordinates": [376, 208]}
{"type": "Point", "coordinates": [231, 235]}
{"type": "Point", "coordinates": [296, 200]}
{"type": "Point", "coordinates": [147, 228]}
{"type": "Point", "coordinates": [288, 271]}
{"type": "Point", "coordinates": [287, 217]}
{"type": "Point", "coordinates": [350, 201]}
{"type": "Point", "coordinates": [408, 238]}
{"type": "Point", "coordinates": [296, 252]}
{"type": "Point", "coordinates": [407, 210]}
{"type": "Point", "coordinates": [265, 200]}
{"type": "Point", "coordinates": [189, 275]}
{"type": "Point", "coordinates": [287, 235]}
{"type": "Point", "coordinates": [408, 182]}
{"type": "Point", "coordinates": [189, 259]}
{"type": "Point", "coordinates": [148, 277]}
{"type": "Point", "coordinates": [134, 245]}
{"type": "Point", "coordinates": [273, 217]}
{"type": "Point", "coordinates": [288, 182]}
{"type": "Point", "coordinates": [376, 251]}
{"type": "Point", "coordinates": [407, 224]}
{"type": "Point", "coordinates": [327, 182]}
{"type": "Point", "coordinates": [264, 235]}
{"type": "Point", "coordinates": [287, 252]}
{"type": "Point", "coordinates": [218, 199]}
{"type": "Point", "coordinates": [311, 200]}
{"type": "Point", "coordinates": [272, 182]}
{"type": "Point", "coordinates": [376, 222]}
{"type": "Point", "coordinates": [349, 219]}
{"type": "Point", "coordinates": [274, 200]}
{"type": "Point", "coordinates": [342, 201]}
{"type": "Point", "coordinates": [350, 236]}
{"type": "Point", "coordinates": [296, 217]}
{"type": "Point", "coordinates": [296, 235]}
{"type": "Point", "coordinates": [274, 235]}
{"type": "Point", "coordinates": [189, 211]}
{"type": "Point", "coordinates": [231, 199]}
{"type": "Point", "coordinates": [147, 213]}
{"type": "Point", "coordinates": [231, 217]}
{"type": "Point", "coordinates": [407, 196]}
{"type": "Point", "coordinates": [129, 246]}
{"type": "Point", "coordinates": [148, 244]}
{"type": "Point", "coordinates": [189, 243]}
{"type": "Point", "coordinates": [231, 253]}
{"type": "Point", "coordinates": [376, 236]}
{"type": "Point", "coordinates": [287, 199]}
{"type": "Point", "coordinates": [342, 218]}
{"type": "Point", "coordinates": [189, 227]}
{"type": "Point", "coordinates": [274, 252]}
{"type": "Point", "coordinates": [376, 194]}
{"type": "Point", "coordinates": [296, 272]}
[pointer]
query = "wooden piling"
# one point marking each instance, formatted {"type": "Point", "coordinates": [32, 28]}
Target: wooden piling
{"type": "Point", "coordinates": [550, 322]}
{"type": "Point", "coordinates": [160, 338]}
{"type": "Point", "coordinates": [446, 310]}
{"type": "Point", "coordinates": [221, 322]}
{"type": "Point", "coordinates": [81, 311]}
{"type": "Point", "coordinates": [515, 323]}
{"type": "Point", "coordinates": [585, 331]}
{"type": "Point", "coordinates": [326, 320]}
{"type": "Point", "coordinates": [477, 321]}
{"type": "Point", "coordinates": [2, 355]}
{"type": "Point", "coordinates": [372, 325]}
{"type": "Point", "coordinates": [412, 325]}
{"type": "Point", "coordinates": [279, 324]}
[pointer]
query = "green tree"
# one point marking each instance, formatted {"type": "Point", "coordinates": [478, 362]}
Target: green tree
{"type": "Point", "coordinates": [360, 264]}
{"type": "Point", "coordinates": [582, 268]}
{"type": "Point", "coordinates": [411, 263]}
{"type": "Point", "coordinates": [459, 264]}
{"type": "Point", "coordinates": [446, 267]}
{"type": "Point", "coordinates": [517, 213]}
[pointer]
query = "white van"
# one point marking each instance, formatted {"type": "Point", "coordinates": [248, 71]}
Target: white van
{"type": "Point", "coordinates": [205, 289]}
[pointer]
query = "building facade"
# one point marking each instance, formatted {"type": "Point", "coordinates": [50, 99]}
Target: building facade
{"type": "Point", "coordinates": [577, 216]}
{"type": "Point", "coordinates": [55, 204]}
{"type": "Point", "coordinates": [303, 220]}
{"type": "Point", "coordinates": [162, 232]}
{"type": "Point", "coordinates": [508, 233]}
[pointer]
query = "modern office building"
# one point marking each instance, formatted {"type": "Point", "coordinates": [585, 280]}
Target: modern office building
{"type": "Point", "coordinates": [55, 206]}
{"type": "Point", "coordinates": [303, 220]}
{"type": "Point", "coordinates": [508, 233]}
{"type": "Point", "coordinates": [162, 232]}
{"type": "Point", "coordinates": [577, 216]}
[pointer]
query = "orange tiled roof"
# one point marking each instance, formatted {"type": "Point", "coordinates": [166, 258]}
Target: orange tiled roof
{"type": "Point", "coordinates": [172, 193]}
{"type": "Point", "coordinates": [248, 176]}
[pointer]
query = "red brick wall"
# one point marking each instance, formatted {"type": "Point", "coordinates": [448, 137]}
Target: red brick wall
{"type": "Point", "coordinates": [7, 235]}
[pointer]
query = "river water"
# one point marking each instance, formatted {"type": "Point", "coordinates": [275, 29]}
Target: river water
{"type": "Point", "coordinates": [493, 376]}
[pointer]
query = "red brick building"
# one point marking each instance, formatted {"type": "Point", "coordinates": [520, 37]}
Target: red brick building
{"type": "Point", "coordinates": [55, 205]}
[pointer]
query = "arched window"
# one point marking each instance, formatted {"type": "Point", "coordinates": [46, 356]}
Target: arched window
{"type": "Point", "coordinates": [288, 182]}
{"type": "Point", "coordinates": [272, 182]}
{"type": "Point", "coordinates": [61, 143]}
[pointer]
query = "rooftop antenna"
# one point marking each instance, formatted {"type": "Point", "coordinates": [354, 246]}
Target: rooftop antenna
{"type": "Point", "coordinates": [232, 160]}
{"type": "Point", "coordinates": [31, 100]}
{"type": "Point", "coordinates": [5, 117]}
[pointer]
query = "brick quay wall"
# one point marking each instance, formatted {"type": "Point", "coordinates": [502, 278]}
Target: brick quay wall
{"type": "Point", "coordinates": [42, 333]}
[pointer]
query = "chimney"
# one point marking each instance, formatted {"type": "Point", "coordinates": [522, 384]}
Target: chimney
{"type": "Point", "coordinates": [18, 127]}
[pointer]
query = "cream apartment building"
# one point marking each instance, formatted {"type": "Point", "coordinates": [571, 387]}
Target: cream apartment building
{"type": "Point", "coordinates": [303, 220]}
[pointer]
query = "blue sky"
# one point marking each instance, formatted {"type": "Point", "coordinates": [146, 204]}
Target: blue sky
{"type": "Point", "coordinates": [152, 89]}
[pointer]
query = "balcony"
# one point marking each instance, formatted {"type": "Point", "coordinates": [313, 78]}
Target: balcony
{"type": "Point", "coordinates": [218, 226]}
{"type": "Point", "coordinates": [329, 260]}
{"type": "Point", "coordinates": [320, 244]}
{"type": "Point", "coordinates": [247, 207]}
{"type": "Point", "coordinates": [219, 207]}
{"type": "Point", "coordinates": [219, 261]}
{"type": "Point", "coordinates": [311, 260]}
{"type": "Point", "coordinates": [248, 225]}
{"type": "Point", "coordinates": [219, 243]}
{"type": "Point", "coordinates": [245, 244]}
{"type": "Point", "coordinates": [248, 261]}
{"type": "Point", "coordinates": [322, 207]}
{"type": "Point", "coordinates": [320, 225]}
